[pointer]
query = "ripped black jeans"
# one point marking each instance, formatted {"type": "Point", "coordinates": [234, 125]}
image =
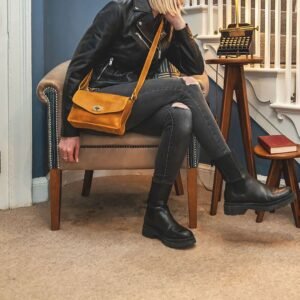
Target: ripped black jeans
{"type": "Point", "coordinates": [153, 114]}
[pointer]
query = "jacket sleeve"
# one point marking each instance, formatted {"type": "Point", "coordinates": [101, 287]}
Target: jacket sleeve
{"type": "Point", "coordinates": [93, 44]}
{"type": "Point", "coordinates": [184, 53]}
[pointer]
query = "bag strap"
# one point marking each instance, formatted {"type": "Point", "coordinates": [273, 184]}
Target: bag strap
{"type": "Point", "coordinates": [148, 62]}
{"type": "Point", "coordinates": [85, 82]}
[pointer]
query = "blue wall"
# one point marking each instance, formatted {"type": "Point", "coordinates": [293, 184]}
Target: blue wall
{"type": "Point", "coordinates": [57, 28]}
{"type": "Point", "coordinates": [65, 23]}
{"type": "Point", "coordinates": [39, 129]}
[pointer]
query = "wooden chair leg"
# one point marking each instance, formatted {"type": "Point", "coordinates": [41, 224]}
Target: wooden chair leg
{"type": "Point", "coordinates": [55, 197]}
{"type": "Point", "coordinates": [178, 185]}
{"type": "Point", "coordinates": [87, 183]}
{"type": "Point", "coordinates": [272, 180]}
{"type": "Point", "coordinates": [192, 196]}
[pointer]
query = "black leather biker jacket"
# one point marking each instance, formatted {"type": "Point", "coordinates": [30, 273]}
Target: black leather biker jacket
{"type": "Point", "coordinates": [116, 45]}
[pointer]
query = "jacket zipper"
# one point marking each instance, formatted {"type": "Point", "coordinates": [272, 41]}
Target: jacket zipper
{"type": "Point", "coordinates": [105, 67]}
{"type": "Point", "coordinates": [140, 37]}
{"type": "Point", "coordinates": [158, 48]}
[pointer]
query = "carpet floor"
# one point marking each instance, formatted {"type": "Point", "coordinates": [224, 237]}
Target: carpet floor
{"type": "Point", "coordinates": [99, 252]}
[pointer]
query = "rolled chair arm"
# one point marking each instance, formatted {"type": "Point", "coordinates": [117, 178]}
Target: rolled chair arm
{"type": "Point", "coordinates": [54, 79]}
{"type": "Point", "coordinates": [49, 91]}
{"type": "Point", "coordinates": [194, 150]}
{"type": "Point", "coordinates": [204, 83]}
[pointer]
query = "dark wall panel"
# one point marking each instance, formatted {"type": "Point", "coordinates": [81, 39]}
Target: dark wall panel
{"type": "Point", "coordinates": [39, 129]}
{"type": "Point", "coordinates": [65, 23]}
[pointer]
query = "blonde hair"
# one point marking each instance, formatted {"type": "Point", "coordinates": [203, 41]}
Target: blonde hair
{"type": "Point", "coordinates": [172, 7]}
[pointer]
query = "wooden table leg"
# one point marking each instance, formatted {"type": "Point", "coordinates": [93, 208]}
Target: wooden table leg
{"type": "Point", "coordinates": [273, 180]}
{"type": "Point", "coordinates": [291, 180]}
{"type": "Point", "coordinates": [229, 86]}
{"type": "Point", "coordinates": [242, 102]}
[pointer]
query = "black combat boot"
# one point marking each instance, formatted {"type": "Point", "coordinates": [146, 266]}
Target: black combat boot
{"type": "Point", "coordinates": [243, 192]}
{"type": "Point", "coordinates": [160, 224]}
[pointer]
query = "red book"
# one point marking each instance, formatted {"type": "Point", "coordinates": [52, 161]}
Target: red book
{"type": "Point", "coordinates": [277, 144]}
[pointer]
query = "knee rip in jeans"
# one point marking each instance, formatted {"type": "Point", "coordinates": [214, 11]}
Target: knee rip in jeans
{"type": "Point", "coordinates": [189, 80]}
{"type": "Point", "coordinates": [180, 105]}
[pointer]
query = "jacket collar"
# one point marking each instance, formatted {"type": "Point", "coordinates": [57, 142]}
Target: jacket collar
{"type": "Point", "coordinates": [142, 5]}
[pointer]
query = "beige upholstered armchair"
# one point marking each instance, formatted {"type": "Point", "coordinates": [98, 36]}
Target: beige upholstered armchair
{"type": "Point", "coordinates": [134, 151]}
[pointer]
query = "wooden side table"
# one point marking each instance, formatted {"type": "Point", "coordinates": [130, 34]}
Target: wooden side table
{"type": "Point", "coordinates": [282, 163]}
{"type": "Point", "coordinates": [234, 81]}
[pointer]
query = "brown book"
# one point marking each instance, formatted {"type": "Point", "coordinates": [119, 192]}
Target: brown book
{"type": "Point", "coordinates": [277, 144]}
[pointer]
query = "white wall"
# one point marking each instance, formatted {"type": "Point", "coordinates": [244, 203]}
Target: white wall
{"type": "Point", "coordinates": [16, 104]}
{"type": "Point", "coordinates": [4, 105]}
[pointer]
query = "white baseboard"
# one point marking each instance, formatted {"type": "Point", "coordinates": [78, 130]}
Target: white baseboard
{"type": "Point", "coordinates": [40, 185]}
{"type": "Point", "coordinates": [206, 176]}
{"type": "Point", "coordinates": [40, 189]}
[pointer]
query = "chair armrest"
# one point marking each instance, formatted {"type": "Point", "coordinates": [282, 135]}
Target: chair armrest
{"type": "Point", "coordinates": [168, 70]}
{"type": "Point", "coordinates": [54, 79]}
{"type": "Point", "coordinates": [49, 91]}
{"type": "Point", "coordinates": [204, 83]}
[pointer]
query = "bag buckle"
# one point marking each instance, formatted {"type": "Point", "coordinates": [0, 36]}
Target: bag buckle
{"type": "Point", "coordinates": [133, 98]}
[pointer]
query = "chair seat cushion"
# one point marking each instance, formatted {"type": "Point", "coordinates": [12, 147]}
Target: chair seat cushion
{"type": "Point", "coordinates": [130, 139]}
{"type": "Point", "coordinates": [110, 152]}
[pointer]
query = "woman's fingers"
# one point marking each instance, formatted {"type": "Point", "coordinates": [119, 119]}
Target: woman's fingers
{"type": "Point", "coordinates": [71, 153]}
{"type": "Point", "coordinates": [69, 149]}
{"type": "Point", "coordinates": [77, 148]}
{"type": "Point", "coordinates": [62, 151]}
{"type": "Point", "coordinates": [176, 20]}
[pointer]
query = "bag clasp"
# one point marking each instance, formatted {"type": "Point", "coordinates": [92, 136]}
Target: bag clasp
{"type": "Point", "coordinates": [98, 108]}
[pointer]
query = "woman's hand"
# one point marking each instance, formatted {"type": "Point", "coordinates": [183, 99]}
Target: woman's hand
{"type": "Point", "coordinates": [176, 20]}
{"type": "Point", "coordinates": [69, 149]}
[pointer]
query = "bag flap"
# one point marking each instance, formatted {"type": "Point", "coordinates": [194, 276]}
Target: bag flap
{"type": "Point", "coordinates": [99, 103]}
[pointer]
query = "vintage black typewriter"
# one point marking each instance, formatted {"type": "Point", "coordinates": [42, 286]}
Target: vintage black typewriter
{"type": "Point", "coordinates": [237, 39]}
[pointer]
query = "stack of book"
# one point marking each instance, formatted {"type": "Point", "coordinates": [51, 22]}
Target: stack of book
{"type": "Point", "coordinates": [277, 144]}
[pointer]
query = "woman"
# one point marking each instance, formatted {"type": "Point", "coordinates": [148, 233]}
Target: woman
{"type": "Point", "coordinates": [115, 46]}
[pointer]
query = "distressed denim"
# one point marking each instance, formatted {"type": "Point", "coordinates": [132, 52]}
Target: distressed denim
{"type": "Point", "coordinates": [153, 114]}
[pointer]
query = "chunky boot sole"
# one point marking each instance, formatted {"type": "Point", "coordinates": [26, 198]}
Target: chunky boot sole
{"type": "Point", "coordinates": [233, 209]}
{"type": "Point", "coordinates": [152, 233]}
